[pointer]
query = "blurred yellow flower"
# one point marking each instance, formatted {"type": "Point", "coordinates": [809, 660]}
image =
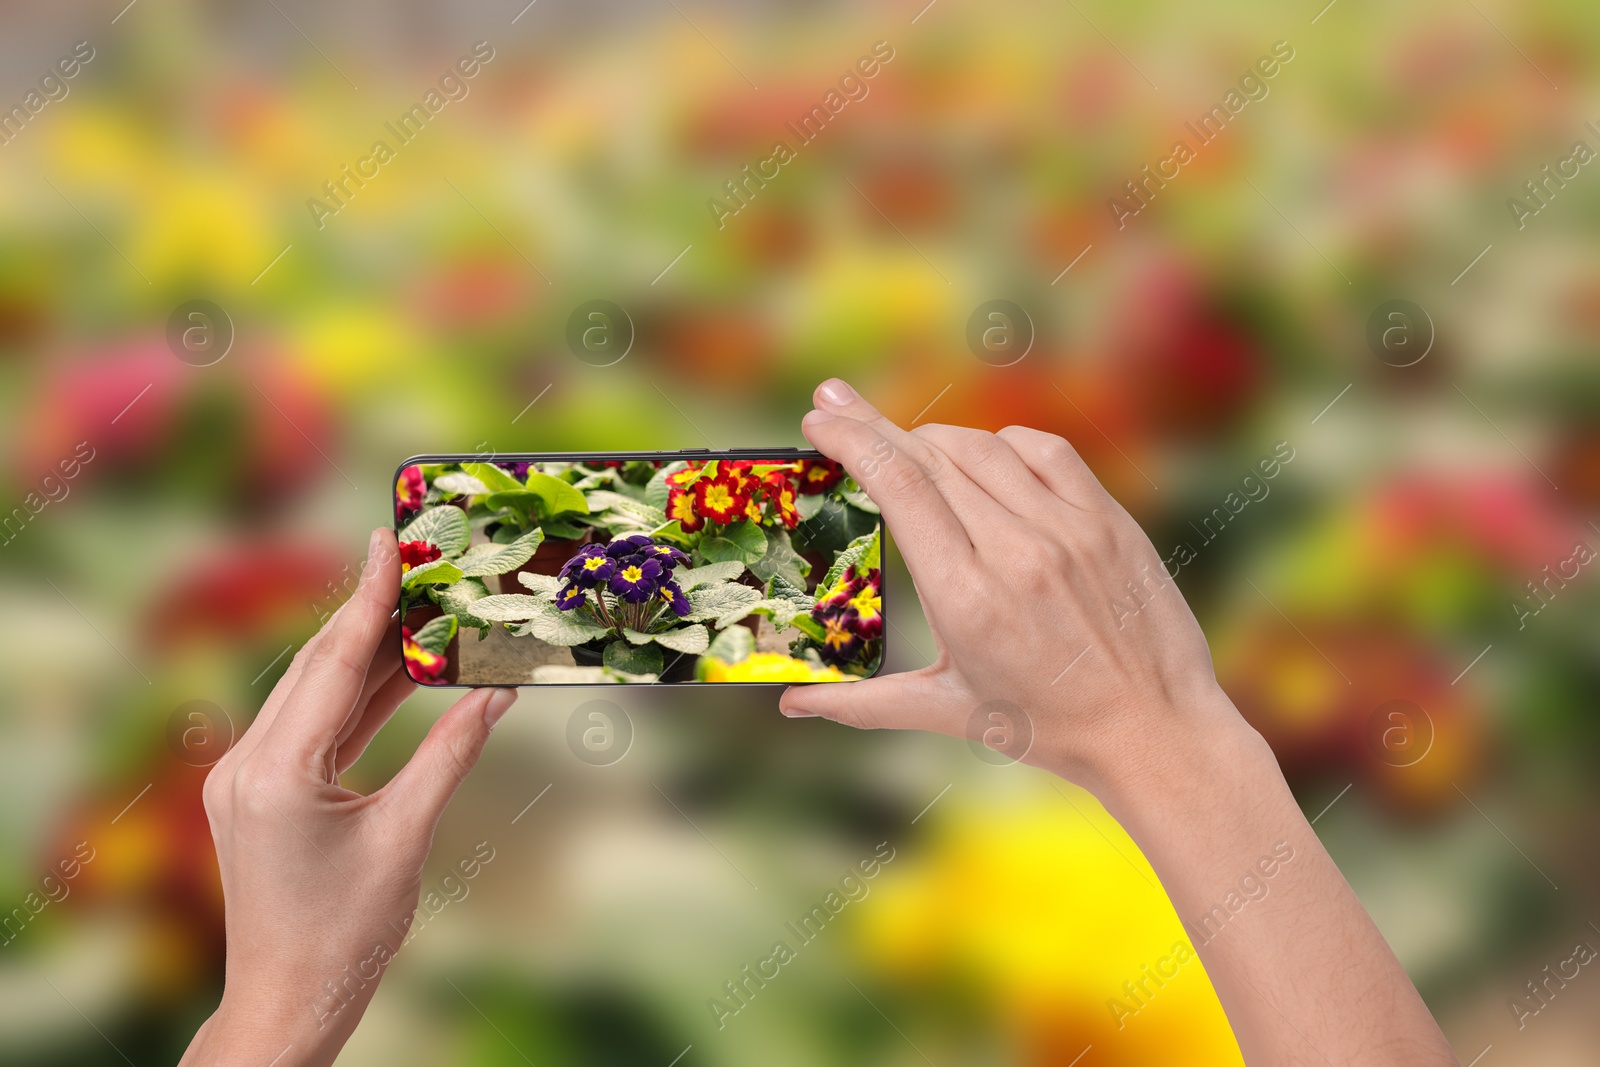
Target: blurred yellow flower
{"type": "Point", "coordinates": [771, 667]}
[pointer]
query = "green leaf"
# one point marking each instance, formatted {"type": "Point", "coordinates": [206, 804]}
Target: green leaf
{"type": "Point", "coordinates": [656, 490]}
{"type": "Point", "coordinates": [861, 500]}
{"type": "Point", "coordinates": [856, 553]}
{"type": "Point", "coordinates": [491, 558]}
{"type": "Point", "coordinates": [460, 483]}
{"type": "Point", "coordinates": [509, 607]}
{"type": "Point", "coordinates": [559, 497]}
{"type": "Point", "coordinates": [438, 572]}
{"type": "Point", "coordinates": [781, 611]}
{"type": "Point", "coordinates": [636, 638]}
{"type": "Point", "coordinates": [557, 530]}
{"type": "Point", "coordinates": [743, 541]}
{"type": "Point", "coordinates": [458, 599]}
{"type": "Point", "coordinates": [833, 527]}
{"type": "Point", "coordinates": [691, 640]}
{"type": "Point", "coordinates": [565, 628]}
{"type": "Point", "coordinates": [780, 560]}
{"type": "Point", "coordinates": [810, 627]}
{"type": "Point", "coordinates": [436, 636]}
{"type": "Point", "coordinates": [444, 527]}
{"type": "Point", "coordinates": [632, 659]}
{"type": "Point", "coordinates": [711, 572]}
{"type": "Point", "coordinates": [719, 601]}
{"type": "Point", "coordinates": [872, 558]}
{"type": "Point", "coordinates": [494, 479]}
{"type": "Point", "coordinates": [783, 589]}
{"type": "Point", "coordinates": [540, 583]}
{"type": "Point", "coordinates": [628, 511]}
{"type": "Point", "coordinates": [732, 645]}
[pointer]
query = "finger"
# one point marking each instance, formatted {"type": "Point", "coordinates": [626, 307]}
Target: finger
{"type": "Point", "coordinates": [927, 699]}
{"type": "Point", "coordinates": [927, 531]}
{"type": "Point", "coordinates": [336, 668]}
{"type": "Point", "coordinates": [280, 692]}
{"type": "Point", "coordinates": [385, 664]}
{"type": "Point", "coordinates": [994, 466]}
{"type": "Point", "coordinates": [447, 755]}
{"type": "Point", "coordinates": [1058, 465]}
{"type": "Point", "coordinates": [396, 690]}
{"type": "Point", "coordinates": [969, 502]}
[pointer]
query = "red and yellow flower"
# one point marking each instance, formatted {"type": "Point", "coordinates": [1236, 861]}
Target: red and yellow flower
{"type": "Point", "coordinates": [422, 665]}
{"type": "Point", "coordinates": [409, 489]}
{"type": "Point", "coordinates": [720, 499]}
{"type": "Point", "coordinates": [851, 615]}
{"type": "Point", "coordinates": [780, 490]}
{"type": "Point", "coordinates": [680, 506]}
{"type": "Point", "coordinates": [819, 475]}
{"type": "Point", "coordinates": [416, 553]}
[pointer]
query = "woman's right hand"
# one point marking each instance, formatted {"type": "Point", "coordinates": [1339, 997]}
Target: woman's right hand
{"type": "Point", "coordinates": [1041, 592]}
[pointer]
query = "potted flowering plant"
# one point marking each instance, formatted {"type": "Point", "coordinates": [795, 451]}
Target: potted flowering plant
{"type": "Point", "coordinates": [440, 578]}
{"type": "Point", "coordinates": [635, 607]}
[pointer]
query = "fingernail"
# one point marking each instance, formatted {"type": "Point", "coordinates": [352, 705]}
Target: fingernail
{"type": "Point", "coordinates": [798, 713]}
{"type": "Point", "coordinates": [837, 392]}
{"type": "Point", "coordinates": [369, 569]}
{"type": "Point", "coordinates": [499, 703]}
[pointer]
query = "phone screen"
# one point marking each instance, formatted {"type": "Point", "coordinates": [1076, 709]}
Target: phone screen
{"type": "Point", "coordinates": [637, 568]}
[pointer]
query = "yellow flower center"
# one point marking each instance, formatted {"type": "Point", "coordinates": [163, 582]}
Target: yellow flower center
{"type": "Point", "coordinates": [632, 574]}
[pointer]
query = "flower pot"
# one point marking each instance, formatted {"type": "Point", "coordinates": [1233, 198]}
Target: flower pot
{"type": "Point", "coordinates": [549, 559]}
{"type": "Point", "coordinates": [419, 617]}
{"type": "Point", "coordinates": [676, 668]}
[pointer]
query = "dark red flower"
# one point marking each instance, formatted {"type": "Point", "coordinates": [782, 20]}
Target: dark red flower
{"type": "Point", "coordinates": [819, 475]}
{"type": "Point", "coordinates": [416, 553]}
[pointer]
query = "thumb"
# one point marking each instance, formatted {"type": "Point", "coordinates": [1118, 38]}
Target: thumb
{"type": "Point", "coordinates": [447, 755]}
{"type": "Point", "coordinates": [926, 699]}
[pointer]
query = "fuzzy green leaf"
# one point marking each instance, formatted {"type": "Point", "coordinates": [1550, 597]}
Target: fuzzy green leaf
{"type": "Point", "coordinates": [780, 559]}
{"type": "Point", "coordinates": [732, 645]}
{"type": "Point", "coordinates": [458, 599]}
{"type": "Point", "coordinates": [481, 560]}
{"type": "Point", "coordinates": [687, 639]}
{"type": "Point", "coordinates": [856, 553]}
{"type": "Point", "coordinates": [443, 527]}
{"type": "Point", "coordinates": [632, 659]}
{"type": "Point", "coordinates": [781, 611]}
{"type": "Point", "coordinates": [556, 627]}
{"type": "Point", "coordinates": [743, 542]}
{"type": "Point", "coordinates": [624, 511]}
{"type": "Point", "coordinates": [494, 479]}
{"type": "Point", "coordinates": [809, 626]}
{"type": "Point", "coordinates": [438, 572]}
{"type": "Point", "coordinates": [706, 575]}
{"type": "Point", "coordinates": [436, 636]}
{"type": "Point", "coordinates": [540, 583]}
{"type": "Point", "coordinates": [460, 483]}
{"type": "Point", "coordinates": [720, 601]}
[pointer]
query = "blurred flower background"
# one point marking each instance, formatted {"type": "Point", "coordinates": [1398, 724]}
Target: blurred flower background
{"type": "Point", "coordinates": [177, 522]}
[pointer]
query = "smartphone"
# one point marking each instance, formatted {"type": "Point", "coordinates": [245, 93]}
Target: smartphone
{"type": "Point", "coordinates": [742, 566]}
